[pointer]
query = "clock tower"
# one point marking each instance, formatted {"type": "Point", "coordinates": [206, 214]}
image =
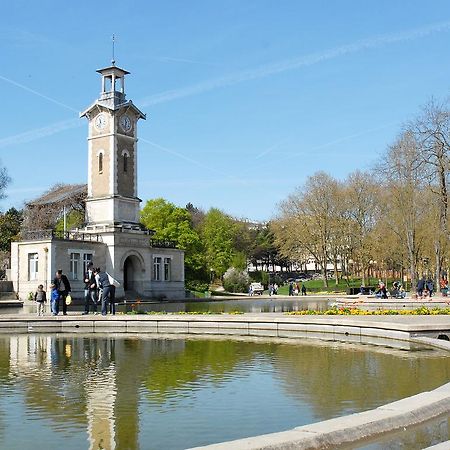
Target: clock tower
{"type": "Point", "coordinates": [112, 162]}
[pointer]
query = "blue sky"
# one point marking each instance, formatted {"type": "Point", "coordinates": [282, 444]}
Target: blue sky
{"type": "Point", "coordinates": [244, 99]}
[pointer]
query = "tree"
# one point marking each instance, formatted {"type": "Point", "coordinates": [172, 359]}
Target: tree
{"type": "Point", "coordinates": [4, 181]}
{"type": "Point", "coordinates": [10, 223]}
{"type": "Point", "coordinates": [361, 205]}
{"type": "Point", "coordinates": [45, 212]}
{"type": "Point", "coordinates": [174, 223]}
{"type": "Point", "coordinates": [218, 234]}
{"type": "Point", "coordinates": [432, 132]}
{"type": "Point", "coordinates": [307, 221]}
{"type": "Point", "coordinates": [74, 219]}
{"type": "Point", "coordinates": [404, 195]}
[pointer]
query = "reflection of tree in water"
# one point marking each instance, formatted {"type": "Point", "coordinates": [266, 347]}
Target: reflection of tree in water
{"type": "Point", "coordinates": [213, 360]}
{"type": "Point", "coordinates": [69, 379]}
{"type": "Point", "coordinates": [4, 377]}
{"type": "Point", "coordinates": [341, 378]}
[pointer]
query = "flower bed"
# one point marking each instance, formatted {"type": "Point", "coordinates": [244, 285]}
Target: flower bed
{"type": "Point", "coordinates": [422, 311]}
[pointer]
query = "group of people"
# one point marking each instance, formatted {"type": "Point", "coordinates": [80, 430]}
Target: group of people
{"type": "Point", "coordinates": [425, 288]}
{"type": "Point", "coordinates": [296, 289]}
{"type": "Point", "coordinates": [273, 289]}
{"type": "Point", "coordinates": [397, 291]}
{"type": "Point", "coordinates": [99, 288]}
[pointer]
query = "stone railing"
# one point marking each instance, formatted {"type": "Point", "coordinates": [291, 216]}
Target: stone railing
{"type": "Point", "coordinates": [41, 235]}
{"type": "Point", "coordinates": [162, 243]}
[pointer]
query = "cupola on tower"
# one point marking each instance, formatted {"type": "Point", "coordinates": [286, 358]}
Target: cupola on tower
{"type": "Point", "coordinates": [112, 154]}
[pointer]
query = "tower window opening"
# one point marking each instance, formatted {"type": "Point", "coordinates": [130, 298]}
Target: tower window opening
{"type": "Point", "coordinates": [107, 84]}
{"type": "Point", "coordinates": [100, 163]}
{"type": "Point", "coordinates": [125, 162]}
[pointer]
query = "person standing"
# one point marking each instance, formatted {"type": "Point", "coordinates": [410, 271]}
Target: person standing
{"type": "Point", "coordinates": [102, 281]}
{"type": "Point", "coordinates": [420, 287]}
{"type": "Point", "coordinates": [303, 289]}
{"type": "Point", "coordinates": [291, 289]}
{"type": "Point", "coordinates": [112, 299]}
{"type": "Point", "coordinates": [40, 297]}
{"type": "Point", "coordinates": [90, 290]}
{"type": "Point", "coordinates": [54, 300]}
{"type": "Point", "coordinates": [63, 287]}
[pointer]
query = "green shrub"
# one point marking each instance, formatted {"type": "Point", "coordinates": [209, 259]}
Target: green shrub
{"type": "Point", "coordinates": [197, 285]}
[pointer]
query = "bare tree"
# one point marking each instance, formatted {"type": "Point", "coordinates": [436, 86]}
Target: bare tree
{"type": "Point", "coordinates": [362, 208]}
{"type": "Point", "coordinates": [4, 181]}
{"type": "Point", "coordinates": [45, 211]}
{"type": "Point", "coordinates": [432, 131]}
{"type": "Point", "coordinates": [307, 220]}
{"type": "Point", "coordinates": [404, 194]}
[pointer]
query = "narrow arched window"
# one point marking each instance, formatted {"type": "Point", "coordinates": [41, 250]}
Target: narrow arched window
{"type": "Point", "coordinates": [125, 162]}
{"type": "Point", "coordinates": [100, 162]}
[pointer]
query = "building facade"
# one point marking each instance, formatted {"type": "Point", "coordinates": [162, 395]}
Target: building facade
{"type": "Point", "coordinates": [112, 237]}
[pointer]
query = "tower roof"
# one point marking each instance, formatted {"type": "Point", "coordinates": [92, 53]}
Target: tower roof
{"type": "Point", "coordinates": [117, 71]}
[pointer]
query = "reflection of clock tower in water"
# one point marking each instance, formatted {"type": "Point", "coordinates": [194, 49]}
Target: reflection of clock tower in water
{"type": "Point", "coordinates": [112, 161]}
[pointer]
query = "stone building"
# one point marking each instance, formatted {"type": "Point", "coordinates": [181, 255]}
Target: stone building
{"type": "Point", "coordinates": [112, 236]}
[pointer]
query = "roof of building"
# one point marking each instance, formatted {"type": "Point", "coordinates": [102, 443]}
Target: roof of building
{"type": "Point", "coordinates": [60, 194]}
{"type": "Point", "coordinates": [113, 69]}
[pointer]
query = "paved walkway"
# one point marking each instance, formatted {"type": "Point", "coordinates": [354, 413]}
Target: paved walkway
{"type": "Point", "coordinates": [410, 323]}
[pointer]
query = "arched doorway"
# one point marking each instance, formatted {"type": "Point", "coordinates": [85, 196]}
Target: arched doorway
{"type": "Point", "coordinates": [132, 274]}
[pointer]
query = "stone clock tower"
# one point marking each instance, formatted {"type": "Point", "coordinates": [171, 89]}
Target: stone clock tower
{"type": "Point", "coordinates": [112, 161]}
{"type": "Point", "coordinates": [112, 237]}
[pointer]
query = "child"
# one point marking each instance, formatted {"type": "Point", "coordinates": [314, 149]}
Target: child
{"type": "Point", "coordinates": [54, 300]}
{"type": "Point", "coordinates": [40, 297]}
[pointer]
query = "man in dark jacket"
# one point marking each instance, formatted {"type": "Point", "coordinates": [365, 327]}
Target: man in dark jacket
{"type": "Point", "coordinates": [104, 285]}
{"type": "Point", "coordinates": [420, 286]}
{"type": "Point", "coordinates": [63, 287]}
{"type": "Point", "coordinates": [90, 289]}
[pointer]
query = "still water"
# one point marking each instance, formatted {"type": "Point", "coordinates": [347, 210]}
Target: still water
{"type": "Point", "coordinates": [144, 392]}
{"type": "Point", "coordinates": [251, 305]}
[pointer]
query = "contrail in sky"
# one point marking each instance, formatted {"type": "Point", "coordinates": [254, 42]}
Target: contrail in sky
{"type": "Point", "coordinates": [38, 133]}
{"type": "Point", "coordinates": [233, 79]}
{"type": "Point", "coordinates": [291, 64]}
{"type": "Point", "coordinates": [39, 94]}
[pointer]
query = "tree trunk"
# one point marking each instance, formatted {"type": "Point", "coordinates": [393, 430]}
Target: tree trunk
{"type": "Point", "coordinates": [438, 260]}
{"type": "Point", "coordinates": [336, 274]}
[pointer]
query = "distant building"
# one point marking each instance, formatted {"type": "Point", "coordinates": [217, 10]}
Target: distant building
{"type": "Point", "coordinates": [112, 237]}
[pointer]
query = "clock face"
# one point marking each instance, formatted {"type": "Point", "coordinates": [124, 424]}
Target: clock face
{"type": "Point", "coordinates": [100, 121]}
{"type": "Point", "coordinates": [125, 123]}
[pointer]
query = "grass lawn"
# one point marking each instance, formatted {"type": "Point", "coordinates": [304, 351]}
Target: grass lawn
{"type": "Point", "coordinates": [317, 286]}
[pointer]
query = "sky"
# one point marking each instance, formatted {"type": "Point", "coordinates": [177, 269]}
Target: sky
{"type": "Point", "coordinates": [244, 99]}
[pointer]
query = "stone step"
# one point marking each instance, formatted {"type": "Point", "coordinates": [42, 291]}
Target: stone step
{"type": "Point", "coordinates": [8, 296]}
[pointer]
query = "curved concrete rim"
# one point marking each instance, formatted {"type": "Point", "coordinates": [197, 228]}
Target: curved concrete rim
{"type": "Point", "coordinates": [376, 330]}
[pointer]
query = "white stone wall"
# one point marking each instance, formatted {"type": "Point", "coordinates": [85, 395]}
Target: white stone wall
{"type": "Point", "coordinates": [20, 252]}
{"type": "Point", "coordinates": [109, 255]}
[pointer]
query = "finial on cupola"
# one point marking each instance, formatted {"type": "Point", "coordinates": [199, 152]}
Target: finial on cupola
{"type": "Point", "coordinates": [113, 61]}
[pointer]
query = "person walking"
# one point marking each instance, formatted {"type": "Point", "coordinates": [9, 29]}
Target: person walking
{"type": "Point", "coordinates": [90, 290]}
{"type": "Point", "coordinates": [102, 281]}
{"type": "Point", "coordinates": [40, 297]}
{"type": "Point", "coordinates": [291, 289]}
{"type": "Point", "coordinates": [63, 287]}
{"type": "Point", "coordinates": [420, 287]}
{"type": "Point", "coordinates": [430, 286]}
{"type": "Point", "coordinates": [303, 289]}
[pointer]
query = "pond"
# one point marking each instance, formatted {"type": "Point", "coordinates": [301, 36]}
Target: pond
{"type": "Point", "coordinates": [275, 304]}
{"type": "Point", "coordinates": [146, 392]}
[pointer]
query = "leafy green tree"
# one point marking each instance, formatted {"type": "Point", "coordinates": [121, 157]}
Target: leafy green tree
{"type": "Point", "coordinates": [10, 223]}
{"type": "Point", "coordinates": [174, 223]}
{"type": "Point", "coordinates": [74, 219]}
{"type": "Point", "coordinates": [219, 235]}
